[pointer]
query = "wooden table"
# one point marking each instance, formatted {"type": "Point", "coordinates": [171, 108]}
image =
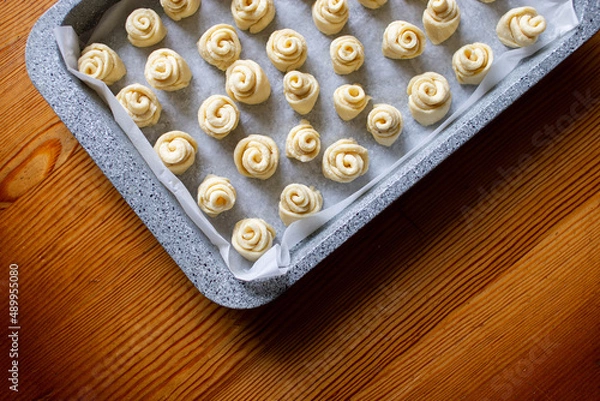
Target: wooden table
{"type": "Point", "coordinates": [481, 283]}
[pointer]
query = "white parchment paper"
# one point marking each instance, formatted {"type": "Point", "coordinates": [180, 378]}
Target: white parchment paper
{"type": "Point", "coordinates": [383, 79]}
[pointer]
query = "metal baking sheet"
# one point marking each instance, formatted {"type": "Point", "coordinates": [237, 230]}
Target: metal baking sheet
{"type": "Point", "coordinates": [93, 125]}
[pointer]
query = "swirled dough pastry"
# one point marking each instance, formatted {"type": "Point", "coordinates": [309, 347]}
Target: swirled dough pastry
{"type": "Point", "coordinates": [256, 156]}
{"type": "Point", "coordinates": [441, 19]}
{"type": "Point", "coordinates": [218, 116]}
{"type": "Point", "coordinates": [167, 70]}
{"type": "Point", "coordinates": [141, 104]}
{"type": "Point", "coordinates": [303, 142]}
{"type": "Point", "coordinates": [345, 160]}
{"type": "Point", "coordinates": [178, 9]}
{"type": "Point", "coordinates": [247, 82]}
{"type": "Point", "coordinates": [101, 62]}
{"type": "Point", "coordinates": [252, 238]}
{"type": "Point", "coordinates": [298, 201]}
{"type": "Point", "coordinates": [429, 98]}
{"type": "Point", "coordinates": [330, 16]}
{"type": "Point", "coordinates": [216, 195]}
{"type": "Point", "coordinates": [472, 62]}
{"type": "Point", "coordinates": [385, 124]}
{"type": "Point", "coordinates": [347, 54]}
{"type": "Point", "coordinates": [287, 49]}
{"type": "Point", "coordinates": [144, 28]}
{"type": "Point", "coordinates": [177, 150]}
{"type": "Point", "coordinates": [349, 101]}
{"type": "Point", "coordinates": [402, 40]}
{"type": "Point", "coordinates": [372, 4]}
{"type": "Point", "coordinates": [253, 15]}
{"type": "Point", "coordinates": [220, 46]}
{"type": "Point", "coordinates": [301, 91]}
{"type": "Point", "coordinates": [520, 27]}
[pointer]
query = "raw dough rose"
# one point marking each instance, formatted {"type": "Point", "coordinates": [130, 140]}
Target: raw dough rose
{"type": "Point", "coordinates": [247, 82]}
{"type": "Point", "coordinates": [253, 15]}
{"type": "Point", "coordinates": [303, 142]}
{"type": "Point", "coordinates": [252, 238]}
{"type": "Point", "coordinates": [429, 98]}
{"type": "Point", "coordinates": [345, 160]}
{"type": "Point", "coordinates": [349, 101]}
{"type": "Point", "coordinates": [330, 16]}
{"type": "Point", "coordinates": [441, 19]}
{"type": "Point", "coordinates": [298, 201]}
{"type": "Point", "coordinates": [520, 27]}
{"type": "Point", "coordinates": [402, 40]}
{"type": "Point", "coordinates": [347, 54]}
{"type": "Point", "coordinates": [301, 91]}
{"type": "Point", "coordinates": [177, 150]}
{"type": "Point", "coordinates": [144, 28]}
{"type": "Point", "coordinates": [472, 62]}
{"type": "Point", "coordinates": [372, 4]}
{"type": "Point", "coordinates": [218, 116]}
{"type": "Point", "coordinates": [167, 70]}
{"type": "Point", "coordinates": [101, 62]}
{"type": "Point", "coordinates": [287, 49]}
{"type": "Point", "coordinates": [141, 104]}
{"type": "Point", "coordinates": [216, 195]}
{"type": "Point", "coordinates": [256, 156]}
{"type": "Point", "coordinates": [220, 46]}
{"type": "Point", "coordinates": [178, 9]}
{"type": "Point", "coordinates": [385, 124]}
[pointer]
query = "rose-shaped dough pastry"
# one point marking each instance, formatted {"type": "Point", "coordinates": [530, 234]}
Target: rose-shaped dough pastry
{"type": "Point", "coordinates": [441, 19]}
{"type": "Point", "coordinates": [220, 46]}
{"type": "Point", "coordinates": [345, 160]}
{"type": "Point", "coordinates": [101, 62]}
{"type": "Point", "coordinates": [167, 70]}
{"type": "Point", "coordinates": [218, 116]}
{"type": "Point", "coordinates": [520, 27]}
{"type": "Point", "coordinates": [330, 16]}
{"type": "Point", "coordinates": [178, 9]}
{"type": "Point", "coordinates": [253, 15]}
{"type": "Point", "coordinates": [372, 4]}
{"type": "Point", "coordinates": [256, 156]}
{"type": "Point", "coordinates": [144, 28]}
{"type": "Point", "coordinates": [247, 82]}
{"type": "Point", "coordinates": [303, 142]}
{"type": "Point", "coordinates": [177, 150]}
{"type": "Point", "coordinates": [402, 40]}
{"type": "Point", "coordinates": [298, 201]}
{"type": "Point", "coordinates": [349, 101]}
{"type": "Point", "coordinates": [287, 49]}
{"type": "Point", "coordinates": [301, 91]}
{"type": "Point", "coordinates": [216, 195]}
{"type": "Point", "coordinates": [141, 104]}
{"type": "Point", "coordinates": [347, 54]}
{"type": "Point", "coordinates": [385, 124]}
{"type": "Point", "coordinates": [472, 62]}
{"type": "Point", "coordinates": [429, 98]}
{"type": "Point", "coordinates": [252, 237]}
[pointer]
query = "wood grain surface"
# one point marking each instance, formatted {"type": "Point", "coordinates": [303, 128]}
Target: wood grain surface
{"type": "Point", "coordinates": [481, 283]}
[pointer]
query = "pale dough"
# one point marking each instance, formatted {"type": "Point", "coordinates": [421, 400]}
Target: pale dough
{"type": "Point", "coordinates": [429, 98]}
{"type": "Point", "coordinates": [303, 142]}
{"type": "Point", "coordinates": [144, 28]}
{"type": "Point", "coordinates": [220, 46]}
{"type": "Point", "coordinates": [141, 104]}
{"type": "Point", "coordinates": [247, 82]}
{"type": "Point", "coordinates": [441, 19]}
{"type": "Point", "coordinates": [472, 62]}
{"type": "Point", "coordinates": [252, 238]}
{"type": "Point", "coordinates": [101, 62]}
{"type": "Point", "coordinates": [347, 54]}
{"type": "Point", "coordinates": [218, 116]}
{"type": "Point", "coordinates": [298, 201]}
{"type": "Point", "coordinates": [287, 50]}
{"type": "Point", "coordinates": [256, 156]}
{"type": "Point", "coordinates": [345, 160]}
{"type": "Point", "coordinates": [177, 150]}
{"type": "Point", "coordinates": [253, 15]}
{"type": "Point", "coordinates": [372, 4]}
{"type": "Point", "coordinates": [385, 124]}
{"type": "Point", "coordinates": [330, 16]}
{"type": "Point", "coordinates": [301, 91]}
{"type": "Point", "coordinates": [178, 9]}
{"type": "Point", "coordinates": [402, 40]}
{"type": "Point", "coordinates": [167, 70]}
{"type": "Point", "coordinates": [349, 101]}
{"type": "Point", "coordinates": [520, 27]}
{"type": "Point", "coordinates": [216, 195]}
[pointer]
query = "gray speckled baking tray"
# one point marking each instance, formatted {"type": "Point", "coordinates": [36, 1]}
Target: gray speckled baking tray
{"type": "Point", "coordinates": [91, 122]}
